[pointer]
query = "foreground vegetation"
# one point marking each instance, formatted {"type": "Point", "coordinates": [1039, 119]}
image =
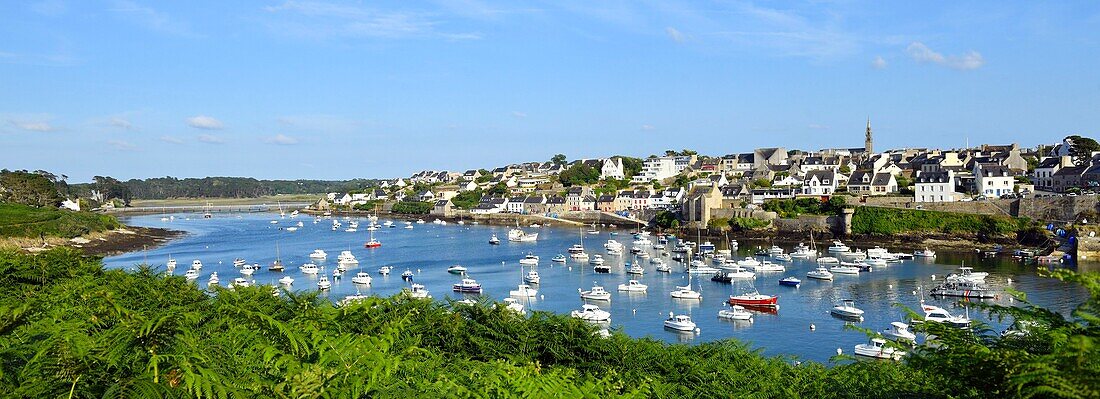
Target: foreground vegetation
{"type": "Point", "coordinates": [888, 221]}
{"type": "Point", "coordinates": [17, 220]}
{"type": "Point", "coordinates": [70, 328]}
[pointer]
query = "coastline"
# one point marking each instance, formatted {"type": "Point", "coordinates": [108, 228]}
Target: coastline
{"type": "Point", "coordinates": [118, 241]}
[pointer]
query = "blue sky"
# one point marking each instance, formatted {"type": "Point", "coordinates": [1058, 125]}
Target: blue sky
{"type": "Point", "coordinates": [335, 90]}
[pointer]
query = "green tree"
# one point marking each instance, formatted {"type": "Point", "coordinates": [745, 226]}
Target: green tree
{"type": "Point", "coordinates": [499, 189]}
{"type": "Point", "coordinates": [34, 189]}
{"type": "Point", "coordinates": [761, 183]}
{"type": "Point", "coordinates": [1081, 149]}
{"type": "Point", "coordinates": [579, 174]}
{"type": "Point", "coordinates": [845, 169]}
{"type": "Point", "coordinates": [467, 199]}
{"type": "Point", "coordinates": [666, 219]}
{"type": "Point", "coordinates": [631, 166]}
{"type": "Point", "coordinates": [412, 207]}
{"type": "Point", "coordinates": [558, 159]}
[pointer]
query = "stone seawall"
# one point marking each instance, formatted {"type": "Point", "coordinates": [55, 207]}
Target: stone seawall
{"type": "Point", "coordinates": [1053, 209]}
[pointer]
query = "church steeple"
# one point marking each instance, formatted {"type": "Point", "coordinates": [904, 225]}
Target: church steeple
{"type": "Point", "coordinates": [867, 141]}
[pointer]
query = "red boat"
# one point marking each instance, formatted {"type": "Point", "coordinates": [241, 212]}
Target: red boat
{"type": "Point", "coordinates": [755, 300]}
{"type": "Point", "coordinates": [372, 244]}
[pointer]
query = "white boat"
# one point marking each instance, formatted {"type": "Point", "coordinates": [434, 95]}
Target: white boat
{"type": "Point", "coordinates": [656, 261]}
{"type": "Point", "coordinates": [286, 280]}
{"type": "Point", "coordinates": [523, 290]}
{"type": "Point", "coordinates": [292, 229]}
{"type": "Point", "coordinates": [663, 268]}
{"type": "Point", "coordinates": [766, 266]}
{"type": "Point", "coordinates": [309, 268]}
{"type": "Point", "coordinates": [318, 254]}
{"type": "Point", "coordinates": [240, 282]}
{"type": "Point", "coordinates": [417, 291]}
{"type": "Point", "coordinates": [532, 277]}
{"type": "Point", "coordinates": [456, 269]}
{"type": "Point", "coordinates": [736, 312]}
{"type": "Point", "coordinates": [591, 313]}
{"type": "Point", "coordinates": [748, 263]}
{"type": "Point", "coordinates": [941, 315]}
{"type": "Point", "coordinates": [877, 349]}
{"type": "Point", "coordinates": [361, 278]}
{"type": "Point", "coordinates": [597, 259]}
{"type": "Point", "coordinates": [347, 259]}
{"type": "Point", "coordinates": [783, 257]}
{"type": "Point", "coordinates": [706, 247]}
{"type": "Point", "coordinates": [899, 331]}
{"type": "Point", "coordinates": [775, 250]}
{"type": "Point", "coordinates": [876, 262]}
{"type": "Point", "coordinates": [735, 273]}
{"type": "Point", "coordinates": [385, 270]}
{"type": "Point", "coordinates": [838, 246]}
{"type": "Point", "coordinates": [467, 285]}
{"type": "Point", "coordinates": [248, 270]}
{"type": "Point", "coordinates": [171, 264]}
{"type": "Point", "coordinates": [409, 226]}
{"type": "Point", "coordinates": [679, 322]}
{"type": "Point", "coordinates": [196, 265]}
{"type": "Point", "coordinates": [530, 259]}
{"type": "Point", "coordinates": [633, 286]}
{"type": "Point", "coordinates": [821, 273]}
{"type": "Point", "coordinates": [517, 235]}
{"type": "Point", "coordinates": [925, 253]}
{"type": "Point", "coordinates": [407, 274]}
{"type": "Point", "coordinates": [323, 283]}
{"type": "Point", "coordinates": [213, 280]}
{"type": "Point", "coordinates": [636, 269]}
{"type": "Point", "coordinates": [847, 309]}
{"type": "Point", "coordinates": [597, 293]}
{"type": "Point", "coordinates": [802, 252]}
{"type": "Point", "coordinates": [239, 262]}
{"type": "Point", "coordinates": [701, 268]}
{"type": "Point", "coordinates": [580, 256]}
{"type": "Point", "coordinates": [576, 249]}
{"type": "Point", "coordinates": [844, 269]}
{"type": "Point", "coordinates": [614, 252]}
{"type": "Point", "coordinates": [828, 260]}
{"type": "Point", "coordinates": [612, 244]}
{"type": "Point", "coordinates": [685, 292]}
{"type": "Point", "coordinates": [419, 221]}
{"type": "Point", "coordinates": [559, 258]}
{"type": "Point", "coordinates": [968, 274]}
{"type": "Point", "coordinates": [191, 274]}
{"type": "Point", "coordinates": [514, 305]}
{"type": "Point", "coordinates": [492, 240]}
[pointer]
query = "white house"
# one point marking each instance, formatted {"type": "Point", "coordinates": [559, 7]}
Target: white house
{"type": "Point", "coordinates": [1044, 172]}
{"type": "Point", "coordinates": [72, 205]}
{"type": "Point", "coordinates": [612, 169]}
{"type": "Point", "coordinates": [934, 187]}
{"type": "Point", "coordinates": [993, 180]}
{"type": "Point", "coordinates": [658, 168]}
{"type": "Point", "coordinates": [819, 182]}
{"type": "Point", "coordinates": [515, 204]}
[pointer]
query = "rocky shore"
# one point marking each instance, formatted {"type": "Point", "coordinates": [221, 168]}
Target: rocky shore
{"type": "Point", "coordinates": [125, 239]}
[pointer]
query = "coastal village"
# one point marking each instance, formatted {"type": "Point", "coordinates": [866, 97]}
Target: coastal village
{"type": "Point", "coordinates": [698, 188]}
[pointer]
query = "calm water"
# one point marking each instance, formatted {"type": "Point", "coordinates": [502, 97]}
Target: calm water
{"type": "Point", "coordinates": [428, 249]}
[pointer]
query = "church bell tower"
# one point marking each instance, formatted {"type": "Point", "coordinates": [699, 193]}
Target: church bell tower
{"type": "Point", "coordinates": [867, 141]}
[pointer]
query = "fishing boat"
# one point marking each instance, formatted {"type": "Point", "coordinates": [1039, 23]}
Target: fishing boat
{"type": "Point", "coordinates": [532, 277]}
{"type": "Point", "coordinates": [735, 312]}
{"type": "Point", "coordinates": [847, 309]}
{"type": "Point", "coordinates": [468, 286]}
{"type": "Point", "coordinates": [559, 258]}
{"type": "Point", "coordinates": [323, 283]}
{"type": "Point", "coordinates": [790, 281]}
{"type": "Point", "coordinates": [517, 235]}
{"type": "Point", "coordinates": [612, 244]}
{"type": "Point", "coordinates": [591, 313]}
{"type": "Point", "coordinates": [597, 293]}
{"type": "Point", "coordinates": [775, 250]}
{"type": "Point", "coordinates": [877, 349]}
{"type": "Point", "coordinates": [821, 273]}
{"type": "Point", "coordinates": [529, 259]}
{"type": "Point", "coordinates": [633, 286]}
{"type": "Point", "coordinates": [754, 300]}
{"type": "Point", "coordinates": [456, 269]}
{"type": "Point", "coordinates": [523, 290]}
{"type": "Point", "coordinates": [417, 291]}
{"type": "Point", "coordinates": [361, 278]}
{"type": "Point", "coordinates": [679, 322]}
{"type": "Point", "coordinates": [899, 331]}
{"type": "Point", "coordinates": [309, 268]}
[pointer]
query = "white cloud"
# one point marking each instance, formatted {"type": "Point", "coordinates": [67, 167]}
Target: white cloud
{"type": "Point", "coordinates": [519, 114]}
{"type": "Point", "coordinates": [204, 122]}
{"type": "Point", "coordinates": [923, 54]}
{"type": "Point", "coordinates": [675, 35]}
{"type": "Point", "coordinates": [170, 139]}
{"type": "Point", "coordinates": [817, 126]}
{"type": "Point", "coordinates": [149, 18]}
{"type": "Point", "coordinates": [878, 62]}
{"type": "Point", "coordinates": [648, 127]}
{"type": "Point", "coordinates": [210, 139]}
{"type": "Point", "coordinates": [314, 19]}
{"type": "Point", "coordinates": [281, 139]}
{"type": "Point", "coordinates": [32, 125]}
{"type": "Point", "coordinates": [120, 123]}
{"type": "Point", "coordinates": [122, 145]}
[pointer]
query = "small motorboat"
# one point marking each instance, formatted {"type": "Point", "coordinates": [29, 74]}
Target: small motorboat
{"type": "Point", "coordinates": [755, 300]}
{"type": "Point", "coordinates": [456, 269]}
{"type": "Point", "coordinates": [417, 291]}
{"type": "Point", "coordinates": [846, 309]}
{"type": "Point", "coordinates": [385, 270]}
{"type": "Point", "coordinates": [685, 292]}
{"type": "Point", "coordinates": [782, 257]}
{"type": "Point", "coordinates": [514, 305]}
{"type": "Point", "coordinates": [601, 269]}
{"type": "Point", "coordinates": [196, 265]}
{"type": "Point", "coordinates": [790, 281]}
{"type": "Point", "coordinates": [318, 254]}
{"type": "Point", "coordinates": [591, 313]}
{"type": "Point", "coordinates": [597, 293]}
{"type": "Point", "coordinates": [523, 290]}
{"type": "Point", "coordinates": [240, 282]}
{"type": "Point", "coordinates": [899, 331]}
{"type": "Point", "coordinates": [286, 280]}
{"type": "Point", "coordinates": [821, 273]}
{"type": "Point", "coordinates": [492, 240]}
{"type": "Point", "coordinates": [838, 246]}
{"type": "Point", "coordinates": [596, 260]}
{"type": "Point", "coordinates": [530, 259]}
{"type": "Point", "coordinates": [828, 260]}
{"type": "Point", "coordinates": [877, 349]}
{"type": "Point", "coordinates": [467, 286]}
{"type": "Point", "coordinates": [748, 263]}
{"type": "Point", "coordinates": [323, 283]}
{"type": "Point", "coordinates": [239, 262]}
{"type": "Point", "coordinates": [532, 277]}
{"type": "Point", "coordinates": [636, 269]}
{"type": "Point", "coordinates": [559, 258]}
{"type": "Point", "coordinates": [361, 278]}
{"type": "Point", "coordinates": [633, 286]}
{"type": "Point", "coordinates": [663, 268]}
{"type": "Point", "coordinates": [844, 269]}
{"type": "Point", "coordinates": [171, 264]}
{"type": "Point", "coordinates": [213, 280]}
{"type": "Point", "coordinates": [735, 312]}
{"type": "Point", "coordinates": [407, 275]}
{"type": "Point", "coordinates": [309, 268]}
{"type": "Point", "coordinates": [680, 322]}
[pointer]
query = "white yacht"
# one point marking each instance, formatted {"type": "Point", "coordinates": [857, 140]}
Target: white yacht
{"type": "Point", "coordinates": [968, 274]}
{"type": "Point", "coordinates": [899, 331]}
{"type": "Point", "coordinates": [213, 280]}
{"type": "Point", "coordinates": [591, 313]}
{"type": "Point", "coordinates": [925, 253]}
{"type": "Point", "coordinates": [783, 257]}
{"type": "Point", "coordinates": [513, 305]}
{"type": "Point", "coordinates": [240, 282]}
{"type": "Point", "coordinates": [239, 262]}
{"type": "Point", "coordinates": [323, 283]}
{"type": "Point", "coordinates": [171, 264]}
{"type": "Point", "coordinates": [941, 315]}
{"type": "Point", "coordinates": [347, 259]}
{"type": "Point", "coordinates": [766, 266]}
{"type": "Point", "coordinates": [196, 265]}
{"type": "Point", "coordinates": [636, 269]}
{"type": "Point", "coordinates": [736, 312]}
{"type": "Point", "coordinates": [840, 269]}
{"type": "Point", "coordinates": [361, 278]}
{"type": "Point", "coordinates": [318, 254]}
{"type": "Point", "coordinates": [821, 273]}
{"type": "Point", "coordinates": [530, 259]}
{"type": "Point", "coordinates": [523, 290]}
{"type": "Point", "coordinates": [685, 292]}
{"type": "Point", "coordinates": [286, 280]}
{"type": "Point", "coordinates": [532, 277]}
{"type": "Point", "coordinates": [877, 349]}
{"type": "Point", "coordinates": [309, 268]}
{"type": "Point", "coordinates": [385, 270]}
{"type": "Point", "coordinates": [838, 246]}
{"type": "Point", "coordinates": [612, 244]}
{"type": "Point", "coordinates": [748, 263]}
{"type": "Point", "coordinates": [597, 260]}
{"type": "Point", "coordinates": [775, 250]}
{"type": "Point", "coordinates": [417, 291]}
{"type": "Point", "coordinates": [847, 309]}
{"type": "Point", "coordinates": [517, 235]}
{"type": "Point", "coordinates": [828, 260]}
{"type": "Point", "coordinates": [633, 286]}
{"type": "Point", "coordinates": [191, 274]}
{"type": "Point", "coordinates": [597, 293]}
{"type": "Point", "coordinates": [679, 322]}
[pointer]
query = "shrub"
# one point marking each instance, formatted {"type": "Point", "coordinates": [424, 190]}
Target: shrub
{"type": "Point", "coordinates": [17, 220]}
{"type": "Point", "coordinates": [887, 221]}
{"type": "Point", "coordinates": [412, 207]}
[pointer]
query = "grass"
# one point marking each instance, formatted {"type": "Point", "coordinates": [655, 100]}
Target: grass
{"type": "Point", "coordinates": [269, 200]}
{"type": "Point", "coordinates": [888, 221]}
{"type": "Point", "coordinates": [18, 220]}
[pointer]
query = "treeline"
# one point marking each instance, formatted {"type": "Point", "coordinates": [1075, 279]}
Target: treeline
{"type": "Point", "coordinates": [222, 187]}
{"type": "Point", "coordinates": [72, 329]}
{"type": "Point", "coordinates": [18, 220]}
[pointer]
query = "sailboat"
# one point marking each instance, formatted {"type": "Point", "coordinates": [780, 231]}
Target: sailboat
{"type": "Point", "coordinates": [372, 243]}
{"type": "Point", "coordinates": [277, 265]}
